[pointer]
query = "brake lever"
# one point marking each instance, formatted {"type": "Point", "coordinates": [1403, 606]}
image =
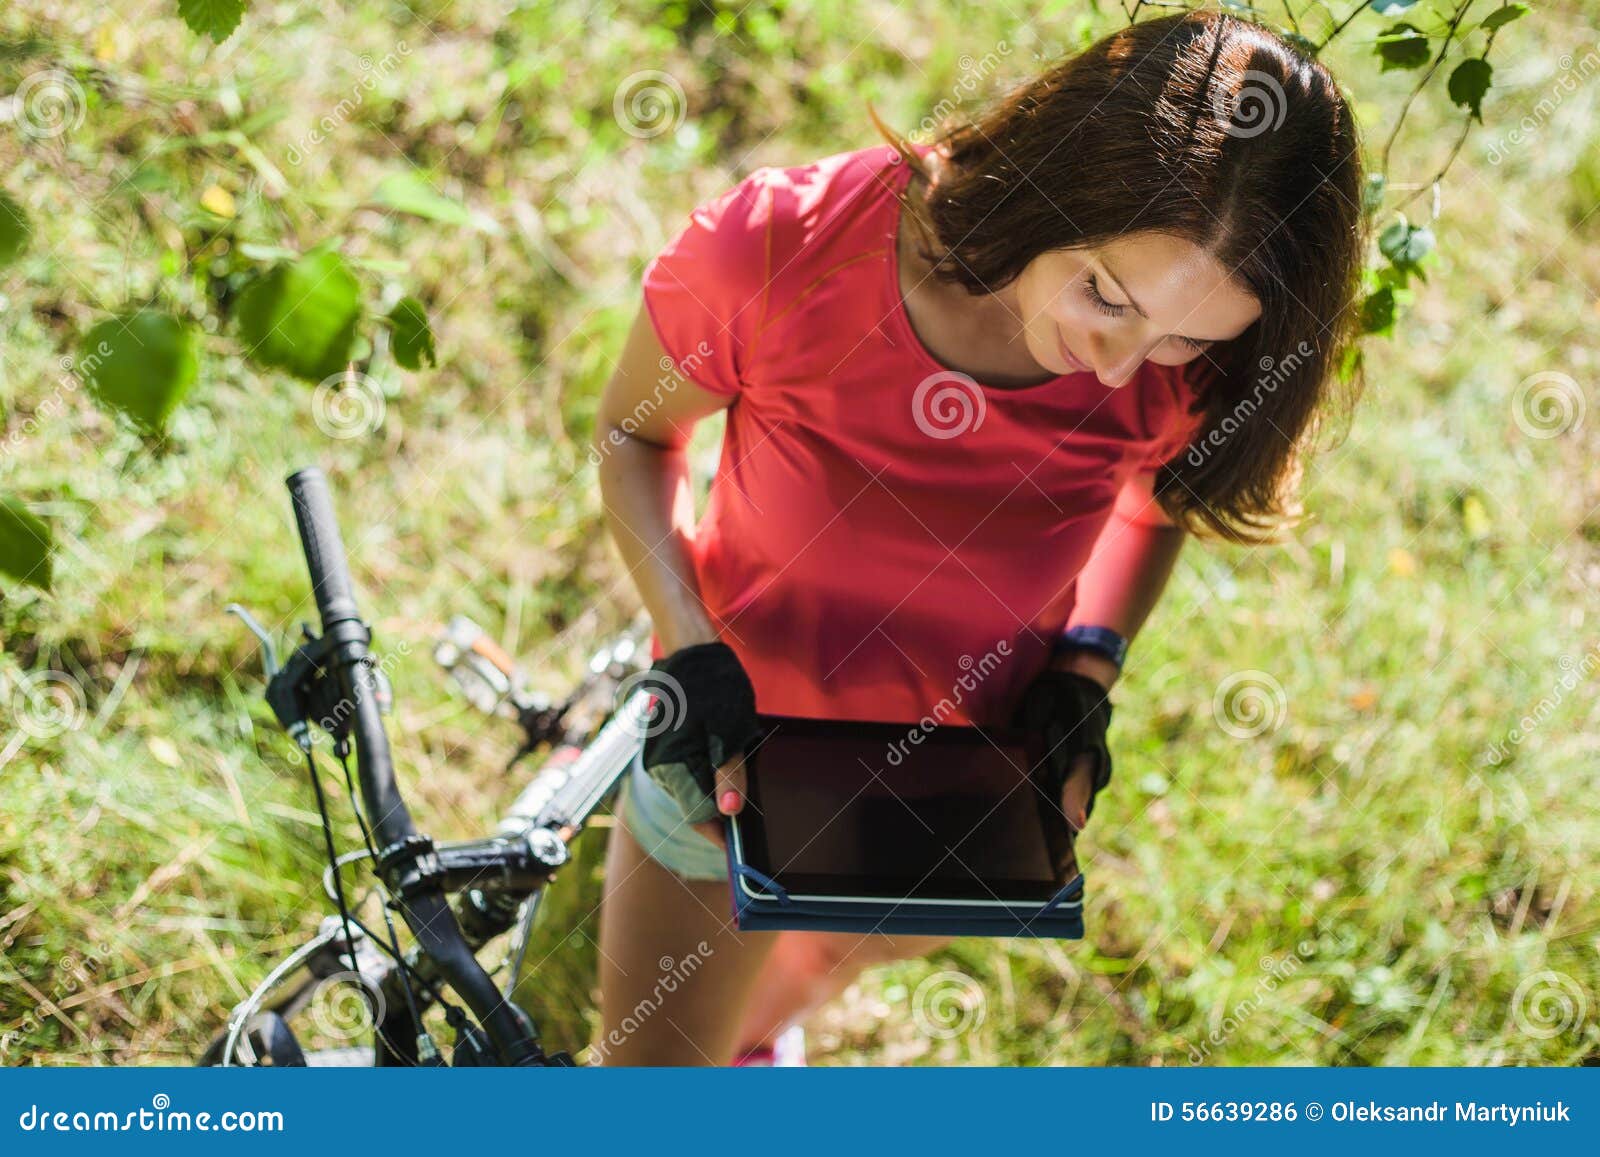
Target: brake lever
{"type": "Point", "coordinates": [283, 694]}
{"type": "Point", "coordinates": [270, 662]}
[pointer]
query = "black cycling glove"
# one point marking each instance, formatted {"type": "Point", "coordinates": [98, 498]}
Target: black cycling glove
{"type": "Point", "coordinates": [1068, 714]}
{"type": "Point", "coordinates": [704, 715]}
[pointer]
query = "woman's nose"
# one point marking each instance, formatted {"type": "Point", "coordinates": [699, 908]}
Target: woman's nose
{"type": "Point", "coordinates": [1115, 363]}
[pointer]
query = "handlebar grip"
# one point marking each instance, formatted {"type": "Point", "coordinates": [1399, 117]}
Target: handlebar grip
{"type": "Point", "coordinates": [319, 536]}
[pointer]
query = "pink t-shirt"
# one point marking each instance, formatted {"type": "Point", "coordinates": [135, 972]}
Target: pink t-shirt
{"type": "Point", "coordinates": [884, 539]}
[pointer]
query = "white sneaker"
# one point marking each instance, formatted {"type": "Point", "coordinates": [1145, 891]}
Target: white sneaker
{"type": "Point", "coordinates": [789, 1050]}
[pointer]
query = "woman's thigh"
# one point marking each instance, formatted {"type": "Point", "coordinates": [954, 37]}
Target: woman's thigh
{"type": "Point", "coordinates": [674, 973]}
{"type": "Point", "coordinates": [847, 953]}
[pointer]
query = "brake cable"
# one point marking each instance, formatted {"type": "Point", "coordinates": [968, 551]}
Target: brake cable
{"type": "Point", "coordinates": [427, 1047]}
{"type": "Point", "coordinates": [351, 857]}
{"type": "Point", "coordinates": [338, 887]}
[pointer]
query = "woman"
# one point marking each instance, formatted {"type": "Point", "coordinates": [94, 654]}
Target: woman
{"type": "Point", "coordinates": [975, 395]}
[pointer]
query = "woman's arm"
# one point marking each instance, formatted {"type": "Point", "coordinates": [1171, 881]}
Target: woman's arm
{"type": "Point", "coordinates": [646, 416]}
{"type": "Point", "coordinates": [1119, 586]}
{"type": "Point", "coordinates": [1122, 581]}
{"type": "Point", "coordinates": [644, 422]}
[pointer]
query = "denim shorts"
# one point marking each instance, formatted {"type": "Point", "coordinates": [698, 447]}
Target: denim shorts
{"type": "Point", "coordinates": [655, 821]}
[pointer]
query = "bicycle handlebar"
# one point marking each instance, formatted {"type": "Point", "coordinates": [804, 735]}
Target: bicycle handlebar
{"type": "Point", "coordinates": [324, 549]}
{"type": "Point", "coordinates": [425, 909]}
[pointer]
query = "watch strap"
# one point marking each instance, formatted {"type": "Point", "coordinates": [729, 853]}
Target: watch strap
{"type": "Point", "coordinates": [1100, 640]}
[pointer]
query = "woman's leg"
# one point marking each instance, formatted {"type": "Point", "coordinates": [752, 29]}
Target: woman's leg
{"type": "Point", "coordinates": [674, 973]}
{"type": "Point", "coordinates": [805, 970]}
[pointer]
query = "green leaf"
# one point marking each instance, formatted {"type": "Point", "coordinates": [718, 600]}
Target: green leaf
{"type": "Point", "coordinates": [1390, 7]}
{"type": "Point", "coordinates": [301, 316]}
{"type": "Point", "coordinates": [1390, 240]}
{"type": "Point", "coordinates": [258, 252]}
{"type": "Point", "coordinates": [1377, 312]}
{"type": "Point", "coordinates": [1393, 276]}
{"type": "Point", "coordinates": [410, 192]}
{"type": "Point", "coordinates": [1350, 362]}
{"type": "Point", "coordinates": [1468, 84]}
{"type": "Point", "coordinates": [25, 544]}
{"type": "Point", "coordinates": [413, 337]}
{"type": "Point", "coordinates": [214, 18]}
{"type": "Point", "coordinates": [15, 232]}
{"type": "Point", "coordinates": [1372, 193]}
{"type": "Point", "coordinates": [1403, 46]}
{"type": "Point", "coordinates": [1500, 17]}
{"type": "Point", "coordinates": [141, 364]}
{"type": "Point", "coordinates": [1405, 244]}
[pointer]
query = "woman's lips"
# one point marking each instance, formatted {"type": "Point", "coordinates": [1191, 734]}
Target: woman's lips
{"type": "Point", "coordinates": [1073, 363]}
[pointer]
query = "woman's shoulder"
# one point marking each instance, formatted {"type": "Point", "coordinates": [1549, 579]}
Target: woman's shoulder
{"type": "Point", "coordinates": [826, 209]}
{"type": "Point", "coordinates": [783, 230]}
{"type": "Point", "coordinates": [833, 191]}
{"type": "Point", "coordinates": [756, 249]}
{"type": "Point", "coordinates": [804, 202]}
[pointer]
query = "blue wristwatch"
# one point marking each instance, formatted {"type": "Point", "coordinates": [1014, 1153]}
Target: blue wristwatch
{"type": "Point", "coordinates": [1100, 640]}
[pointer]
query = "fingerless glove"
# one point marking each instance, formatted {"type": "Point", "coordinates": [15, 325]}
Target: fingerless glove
{"type": "Point", "coordinates": [704, 714]}
{"type": "Point", "coordinates": [1067, 714]}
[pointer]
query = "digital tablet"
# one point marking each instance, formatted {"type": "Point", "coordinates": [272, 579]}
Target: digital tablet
{"type": "Point", "coordinates": [859, 811]}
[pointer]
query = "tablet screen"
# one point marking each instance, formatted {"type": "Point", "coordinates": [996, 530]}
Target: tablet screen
{"type": "Point", "coordinates": [855, 809]}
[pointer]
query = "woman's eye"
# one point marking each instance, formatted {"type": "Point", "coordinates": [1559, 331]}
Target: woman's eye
{"type": "Point", "coordinates": [1092, 291]}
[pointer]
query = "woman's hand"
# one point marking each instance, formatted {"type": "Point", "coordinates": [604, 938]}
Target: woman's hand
{"type": "Point", "coordinates": [1077, 793]}
{"type": "Point", "coordinates": [703, 720]}
{"type": "Point", "coordinates": [1068, 712]}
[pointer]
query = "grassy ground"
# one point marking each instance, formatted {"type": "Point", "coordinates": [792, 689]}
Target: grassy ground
{"type": "Point", "coordinates": [1346, 879]}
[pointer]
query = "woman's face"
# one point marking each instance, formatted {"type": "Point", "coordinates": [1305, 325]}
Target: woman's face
{"type": "Point", "coordinates": [1142, 297]}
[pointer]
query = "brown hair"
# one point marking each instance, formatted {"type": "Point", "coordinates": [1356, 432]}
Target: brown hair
{"type": "Point", "coordinates": [1204, 127]}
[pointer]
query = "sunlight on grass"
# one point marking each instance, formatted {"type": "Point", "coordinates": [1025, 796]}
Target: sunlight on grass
{"type": "Point", "coordinates": [1346, 878]}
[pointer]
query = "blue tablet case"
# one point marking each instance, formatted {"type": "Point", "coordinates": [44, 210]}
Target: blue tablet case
{"type": "Point", "coordinates": [773, 909]}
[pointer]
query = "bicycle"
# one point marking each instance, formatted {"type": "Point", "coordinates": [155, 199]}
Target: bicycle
{"type": "Point", "coordinates": [456, 898]}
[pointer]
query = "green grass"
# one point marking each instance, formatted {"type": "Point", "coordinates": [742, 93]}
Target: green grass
{"type": "Point", "coordinates": [1352, 885]}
